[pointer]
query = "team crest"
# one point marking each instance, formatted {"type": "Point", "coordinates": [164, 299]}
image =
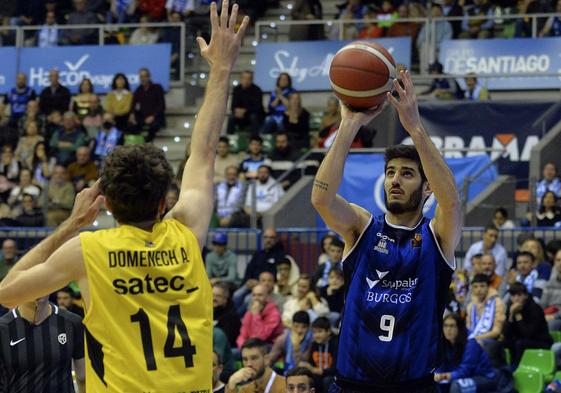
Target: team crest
{"type": "Point", "coordinates": [417, 240]}
{"type": "Point", "coordinates": [62, 338]}
{"type": "Point", "coordinates": [382, 246]}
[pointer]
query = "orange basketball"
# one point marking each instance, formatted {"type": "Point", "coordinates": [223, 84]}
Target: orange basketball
{"type": "Point", "coordinates": [361, 73]}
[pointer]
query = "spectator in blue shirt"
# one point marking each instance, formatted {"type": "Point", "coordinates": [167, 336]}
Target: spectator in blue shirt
{"type": "Point", "coordinates": [278, 104]}
{"type": "Point", "coordinates": [108, 137]}
{"type": "Point", "coordinates": [18, 97]}
{"type": "Point", "coordinates": [465, 366]}
{"type": "Point", "coordinates": [550, 182]}
{"type": "Point", "coordinates": [254, 159]}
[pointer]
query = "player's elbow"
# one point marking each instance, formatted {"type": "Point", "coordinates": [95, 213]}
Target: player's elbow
{"type": "Point", "coordinates": [319, 201]}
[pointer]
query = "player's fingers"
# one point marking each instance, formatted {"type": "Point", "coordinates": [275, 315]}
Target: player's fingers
{"type": "Point", "coordinates": [399, 89]}
{"type": "Point", "coordinates": [233, 17]}
{"type": "Point", "coordinates": [202, 43]}
{"type": "Point", "coordinates": [243, 27]}
{"type": "Point", "coordinates": [407, 81]}
{"type": "Point", "coordinates": [392, 100]}
{"type": "Point", "coordinates": [224, 14]}
{"type": "Point", "coordinates": [214, 16]}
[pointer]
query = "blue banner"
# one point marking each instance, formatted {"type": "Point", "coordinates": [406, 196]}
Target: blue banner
{"type": "Point", "coordinates": [493, 56]}
{"type": "Point", "coordinates": [363, 180]}
{"type": "Point", "coordinates": [505, 126]}
{"type": "Point", "coordinates": [308, 62]}
{"type": "Point", "coordinates": [98, 63]}
{"type": "Point", "coordinates": [8, 69]}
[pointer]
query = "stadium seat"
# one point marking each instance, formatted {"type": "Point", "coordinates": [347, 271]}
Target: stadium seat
{"type": "Point", "coordinates": [555, 335]}
{"type": "Point", "coordinates": [541, 360]}
{"type": "Point", "coordinates": [238, 142]}
{"type": "Point", "coordinates": [526, 381]}
{"type": "Point", "coordinates": [133, 139]}
{"type": "Point", "coordinates": [557, 376]}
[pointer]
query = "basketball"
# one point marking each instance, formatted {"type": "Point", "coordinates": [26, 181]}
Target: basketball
{"type": "Point", "coordinates": [361, 73]}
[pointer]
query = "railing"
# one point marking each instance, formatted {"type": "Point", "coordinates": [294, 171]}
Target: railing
{"type": "Point", "coordinates": [103, 34]}
{"type": "Point", "coordinates": [265, 29]}
{"type": "Point", "coordinates": [304, 244]}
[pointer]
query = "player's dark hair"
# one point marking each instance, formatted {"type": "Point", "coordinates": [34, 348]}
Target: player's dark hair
{"type": "Point", "coordinates": [321, 323]}
{"type": "Point", "coordinates": [481, 278]}
{"type": "Point", "coordinates": [255, 342]}
{"type": "Point", "coordinates": [117, 76]}
{"type": "Point", "coordinates": [454, 352]}
{"type": "Point", "coordinates": [134, 181]}
{"type": "Point", "coordinates": [526, 254]}
{"type": "Point", "coordinates": [337, 242]}
{"type": "Point", "coordinates": [298, 371]}
{"type": "Point", "coordinates": [517, 289]}
{"type": "Point", "coordinates": [224, 139]}
{"type": "Point", "coordinates": [301, 317]}
{"type": "Point", "coordinates": [404, 151]}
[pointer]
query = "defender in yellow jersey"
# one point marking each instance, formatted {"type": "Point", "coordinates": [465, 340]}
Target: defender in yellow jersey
{"type": "Point", "coordinates": [146, 294]}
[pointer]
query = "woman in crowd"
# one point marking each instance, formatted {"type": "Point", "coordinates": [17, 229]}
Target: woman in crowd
{"type": "Point", "coordinates": [119, 100]}
{"type": "Point", "coordinates": [465, 366]}
{"type": "Point", "coordinates": [81, 102]}
{"type": "Point", "coordinates": [296, 121]}
{"type": "Point", "coordinates": [549, 212]}
{"type": "Point", "coordinates": [41, 165]}
{"type": "Point", "coordinates": [26, 144]}
{"type": "Point", "coordinates": [278, 104]}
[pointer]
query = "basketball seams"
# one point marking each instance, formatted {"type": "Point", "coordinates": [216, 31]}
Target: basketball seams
{"type": "Point", "coordinates": [381, 56]}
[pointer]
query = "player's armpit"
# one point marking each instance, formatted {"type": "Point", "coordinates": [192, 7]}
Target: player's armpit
{"type": "Point", "coordinates": [447, 227]}
{"type": "Point", "coordinates": [347, 219]}
{"type": "Point", "coordinates": [63, 266]}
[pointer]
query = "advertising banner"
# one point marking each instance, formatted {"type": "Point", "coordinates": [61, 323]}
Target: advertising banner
{"type": "Point", "coordinates": [8, 69]}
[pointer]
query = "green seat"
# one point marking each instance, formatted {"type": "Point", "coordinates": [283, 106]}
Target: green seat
{"type": "Point", "coordinates": [508, 357]}
{"type": "Point", "coordinates": [555, 335]}
{"type": "Point", "coordinates": [238, 142]}
{"type": "Point", "coordinates": [557, 376]}
{"type": "Point", "coordinates": [133, 139]}
{"type": "Point", "coordinates": [542, 360]}
{"type": "Point", "coordinates": [526, 381]}
{"type": "Point", "coordinates": [268, 142]}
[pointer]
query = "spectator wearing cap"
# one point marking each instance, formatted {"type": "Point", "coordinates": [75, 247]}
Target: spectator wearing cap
{"type": "Point", "coordinates": [288, 273]}
{"type": "Point", "coordinates": [221, 263]}
{"type": "Point", "coordinates": [526, 327]}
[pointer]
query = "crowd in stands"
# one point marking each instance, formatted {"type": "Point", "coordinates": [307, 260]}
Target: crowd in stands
{"type": "Point", "coordinates": [53, 142]}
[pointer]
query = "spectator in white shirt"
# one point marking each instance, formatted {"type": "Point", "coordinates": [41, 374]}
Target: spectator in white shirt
{"type": "Point", "coordinates": [488, 245]}
{"type": "Point", "coordinates": [267, 192]}
{"type": "Point", "coordinates": [47, 36]}
{"type": "Point", "coordinates": [550, 182]}
{"type": "Point", "coordinates": [229, 196]}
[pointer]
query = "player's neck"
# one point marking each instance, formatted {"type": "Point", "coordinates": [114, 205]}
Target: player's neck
{"type": "Point", "coordinates": [35, 314]}
{"type": "Point", "coordinates": [408, 219]}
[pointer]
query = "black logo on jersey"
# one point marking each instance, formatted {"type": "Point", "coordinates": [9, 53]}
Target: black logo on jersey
{"type": "Point", "coordinates": [149, 284]}
{"type": "Point", "coordinates": [417, 240]}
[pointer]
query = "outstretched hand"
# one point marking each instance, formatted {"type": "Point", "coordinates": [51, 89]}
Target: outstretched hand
{"type": "Point", "coordinates": [224, 46]}
{"type": "Point", "coordinates": [406, 106]}
{"type": "Point", "coordinates": [86, 206]}
{"type": "Point", "coordinates": [362, 117]}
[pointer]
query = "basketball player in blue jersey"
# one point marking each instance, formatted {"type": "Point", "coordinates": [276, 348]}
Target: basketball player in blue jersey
{"type": "Point", "coordinates": [397, 266]}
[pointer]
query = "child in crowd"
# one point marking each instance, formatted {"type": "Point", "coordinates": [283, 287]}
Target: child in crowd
{"type": "Point", "coordinates": [334, 293]}
{"type": "Point", "coordinates": [293, 346]}
{"type": "Point", "coordinates": [323, 354]}
{"type": "Point", "coordinates": [335, 254]}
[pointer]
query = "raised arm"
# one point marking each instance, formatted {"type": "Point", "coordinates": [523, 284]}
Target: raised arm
{"type": "Point", "coordinates": [447, 222]}
{"type": "Point", "coordinates": [55, 261]}
{"type": "Point", "coordinates": [194, 207]}
{"type": "Point", "coordinates": [345, 218]}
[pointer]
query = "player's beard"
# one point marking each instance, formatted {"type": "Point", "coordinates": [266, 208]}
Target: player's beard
{"type": "Point", "coordinates": [411, 205]}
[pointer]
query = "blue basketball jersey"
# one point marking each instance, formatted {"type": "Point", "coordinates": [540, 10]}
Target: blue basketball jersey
{"type": "Point", "coordinates": [397, 280]}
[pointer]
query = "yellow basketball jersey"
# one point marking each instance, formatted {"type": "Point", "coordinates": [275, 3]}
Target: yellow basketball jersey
{"type": "Point", "coordinates": [149, 322]}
